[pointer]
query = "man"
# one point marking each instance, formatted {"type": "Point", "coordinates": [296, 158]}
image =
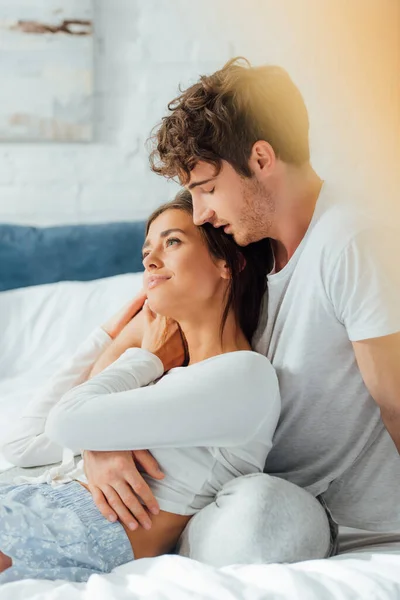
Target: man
{"type": "Point", "coordinates": [238, 140]}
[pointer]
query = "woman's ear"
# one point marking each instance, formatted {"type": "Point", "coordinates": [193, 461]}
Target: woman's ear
{"type": "Point", "coordinates": [224, 270]}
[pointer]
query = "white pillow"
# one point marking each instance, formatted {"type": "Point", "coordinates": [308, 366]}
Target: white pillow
{"type": "Point", "coordinates": [41, 324]}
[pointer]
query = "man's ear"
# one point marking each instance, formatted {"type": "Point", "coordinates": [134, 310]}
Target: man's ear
{"type": "Point", "coordinates": [262, 158]}
{"type": "Point", "coordinates": [243, 262]}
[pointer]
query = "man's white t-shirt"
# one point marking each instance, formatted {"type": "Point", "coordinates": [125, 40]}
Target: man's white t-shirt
{"type": "Point", "coordinates": [341, 285]}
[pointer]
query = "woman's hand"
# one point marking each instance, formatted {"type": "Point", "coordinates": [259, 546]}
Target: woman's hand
{"type": "Point", "coordinates": [115, 482]}
{"type": "Point", "coordinates": [117, 322]}
{"type": "Point", "coordinates": [163, 337]}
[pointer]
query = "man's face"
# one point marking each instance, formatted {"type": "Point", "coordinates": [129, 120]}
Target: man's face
{"type": "Point", "coordinates": [241, 205]}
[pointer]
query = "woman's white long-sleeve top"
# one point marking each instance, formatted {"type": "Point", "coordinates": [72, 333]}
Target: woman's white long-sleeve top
{"type": "Point", "coordinates": [205, 424]}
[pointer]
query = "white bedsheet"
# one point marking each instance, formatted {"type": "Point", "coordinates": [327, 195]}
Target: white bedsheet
{"type": "Point", "coordinates": [364, 577]}
{"type": "Point", "coordinates": [41, 326]}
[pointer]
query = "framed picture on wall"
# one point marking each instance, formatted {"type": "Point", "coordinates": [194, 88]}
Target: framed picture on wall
{"type": "Point", "coordinates": [46, 70]}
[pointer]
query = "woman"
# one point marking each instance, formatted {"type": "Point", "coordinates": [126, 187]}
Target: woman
{"type": "Point", "coordinates": [206, 422]}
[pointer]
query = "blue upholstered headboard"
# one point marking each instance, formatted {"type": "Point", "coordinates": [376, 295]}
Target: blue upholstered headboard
{"type": "Point", "coordinates": [36, 255]}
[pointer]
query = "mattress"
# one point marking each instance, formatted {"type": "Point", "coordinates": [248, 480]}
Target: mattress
{"type": "Point", "coordinates": [40, 327]}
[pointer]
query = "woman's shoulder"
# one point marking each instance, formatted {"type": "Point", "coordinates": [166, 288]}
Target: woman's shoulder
{"type": "Point", "coordinates": [245, 375]}
{"type": "Point", "coordinates": [240, 358]}
{"type": "Point", "coordinates": [241, 368]}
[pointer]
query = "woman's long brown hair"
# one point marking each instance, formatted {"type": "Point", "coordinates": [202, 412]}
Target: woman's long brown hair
{"type": "Point", "coordinates": [248, 266]}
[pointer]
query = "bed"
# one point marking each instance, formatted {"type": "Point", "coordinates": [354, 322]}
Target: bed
{"type": "Point", "coordinates": [56, 285]}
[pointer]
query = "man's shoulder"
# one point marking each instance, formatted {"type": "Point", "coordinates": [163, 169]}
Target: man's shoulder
{"type": "Point", "coordinates": [348, 241]}
{"type": "Point", "coordinates": [339, 221]}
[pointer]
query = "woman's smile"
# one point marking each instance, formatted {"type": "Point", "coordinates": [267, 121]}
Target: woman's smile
{"type": "Point", "coordinates": [154, 280]}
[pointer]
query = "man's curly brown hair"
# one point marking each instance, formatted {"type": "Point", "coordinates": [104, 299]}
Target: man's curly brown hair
{"type": "Point", "coordinates": [224, 114]}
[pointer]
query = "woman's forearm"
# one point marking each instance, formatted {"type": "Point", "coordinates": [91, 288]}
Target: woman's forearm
{"type": "Point", "coordinates": [130, 337]}
{"type": "Point", "coordinates": [109, 356]}
{"type": "Point", "coordinates": [222, 401]}
{"type": "Point", "coordinates": [27, 445]}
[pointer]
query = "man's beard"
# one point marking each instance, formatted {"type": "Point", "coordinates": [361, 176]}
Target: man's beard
{"type": "Point", "coordinates": [257, 217]}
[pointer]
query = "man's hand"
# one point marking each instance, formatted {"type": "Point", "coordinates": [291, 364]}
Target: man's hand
{"type": "Point", "coordinates": [115, 482]}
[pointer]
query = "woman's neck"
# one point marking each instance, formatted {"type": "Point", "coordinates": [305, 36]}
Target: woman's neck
{"type": "Point", "coordinates": [204, 339]}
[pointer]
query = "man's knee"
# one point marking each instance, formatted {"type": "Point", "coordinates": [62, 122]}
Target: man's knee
{"type": "Point", "coordinates": [258, 519]}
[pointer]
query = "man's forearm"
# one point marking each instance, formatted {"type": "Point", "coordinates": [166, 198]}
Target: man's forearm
{"type": "Point", "coordinates": [391, 420]}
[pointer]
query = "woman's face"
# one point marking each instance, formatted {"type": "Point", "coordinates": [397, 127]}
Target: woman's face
{"type": "Point", "coordinates": [181, 277]}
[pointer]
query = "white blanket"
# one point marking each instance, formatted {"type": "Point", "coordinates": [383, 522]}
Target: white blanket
{"type": "Point", "coordinates": [39, 327]}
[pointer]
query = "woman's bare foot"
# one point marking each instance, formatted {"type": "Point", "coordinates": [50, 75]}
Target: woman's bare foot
{"type": "Point", "coordinates": [5, 562]}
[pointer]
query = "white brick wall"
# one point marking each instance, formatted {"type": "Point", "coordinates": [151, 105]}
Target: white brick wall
{"type": "Point", "coordinates": [344, 55]}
